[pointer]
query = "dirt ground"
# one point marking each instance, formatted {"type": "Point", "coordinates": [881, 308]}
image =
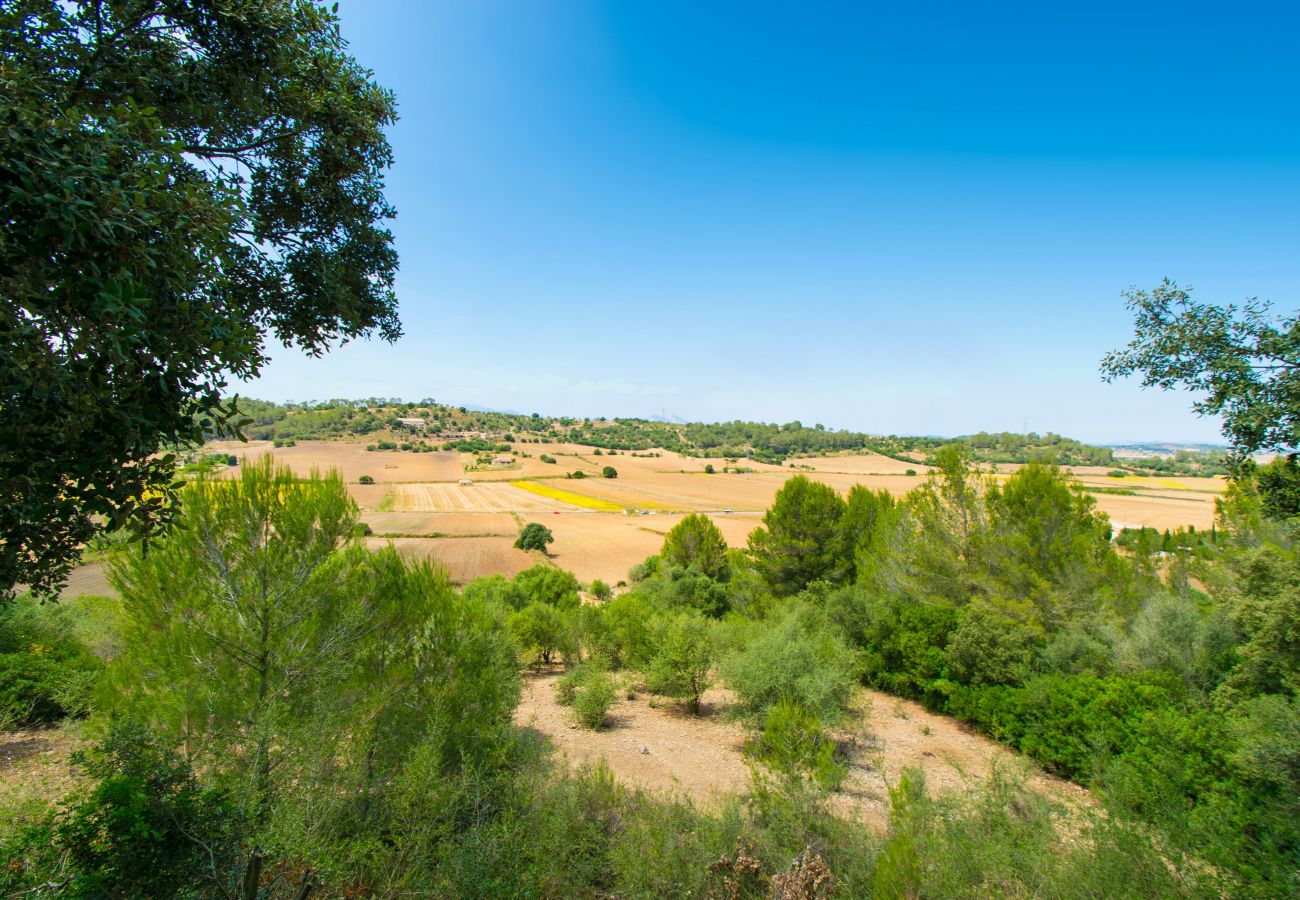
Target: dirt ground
{"type": "Point", "coordinates": [654, 744]}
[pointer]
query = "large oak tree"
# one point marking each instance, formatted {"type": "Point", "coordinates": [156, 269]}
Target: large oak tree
{"type": "Point", "coordinates": [181, 182]}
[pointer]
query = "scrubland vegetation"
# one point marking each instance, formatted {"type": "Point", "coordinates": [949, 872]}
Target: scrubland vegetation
{"type": "Point", "coordinates": [269, 707]}
{"type": "Point", "coordinates": [300, 712]}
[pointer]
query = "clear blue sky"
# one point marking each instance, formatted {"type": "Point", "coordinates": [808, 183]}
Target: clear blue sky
{"type": "Point", "coordinates": [902, 217]}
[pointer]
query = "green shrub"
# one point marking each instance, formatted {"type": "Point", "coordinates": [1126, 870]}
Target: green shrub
{"type": "Point", "coordinates": [609, 472]}
{"type": "Point", "coordinates": [145, 829]}
{"type": "Point", "coordinates": [790, 660]}
{"type": "Point", "coordinates": [593, 699]}
{"type": "Point", "coordinates": [47, 672]}
{"type": "Point", "coordinates": [578, 474]}
{"type": "Point", "coordinates": [547, 459]}
{"type": "Point", "coordinates": [366, 479]}
{"type": "Point", "coordinates": [682, 660]}
{"type": "Point", "coordinates": [794, 745]}
{"type": "Point", "coordinates": [567, 685]}
{"type": "Point", "coordinates": [600, 590]}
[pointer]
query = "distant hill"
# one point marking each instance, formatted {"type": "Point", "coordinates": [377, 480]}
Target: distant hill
{"type": "Point", "coordinates": [764, 441]}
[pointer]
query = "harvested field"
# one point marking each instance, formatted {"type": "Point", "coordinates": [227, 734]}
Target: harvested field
{"type": "Point", "coordinates": [465, 558]}
{"type": "Point", "coordinates": [607, 545]}
{"type": "Point", "coordinates": [594, 541]}
{"type": "Point", "coordinates": [369, 496]}
{"type": "Point", "coordinates": [861, 464]}
{"type": "Point", "coordinates": [664, 748]}
{"type": "Point", "coordinates": [685, 491]}
{"type": "Point", "coordinates": [87, 579]}
{"type": "Point", "coordinates": [353, 460]}
{"type": "Point", "coordinates": [1170, 510]}
{"type": "Point", "coordinates": [454, 524]}
{"type": "Point", "coordinates": [478, 497]}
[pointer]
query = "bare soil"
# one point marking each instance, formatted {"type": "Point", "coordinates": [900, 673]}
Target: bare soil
{"type": "Point", "coordinates": [653, 743]}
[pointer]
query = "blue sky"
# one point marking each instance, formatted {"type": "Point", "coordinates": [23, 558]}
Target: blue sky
{"type": "Point", "coordinates": [903, 217]}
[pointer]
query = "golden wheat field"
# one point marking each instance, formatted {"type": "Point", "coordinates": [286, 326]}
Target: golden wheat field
{"type": "Point", "coordinates": [607, 545]}
{"type": "Point", "coordinates": [419, 502]}
{"type": "Point", "coordinates": [464, 558]}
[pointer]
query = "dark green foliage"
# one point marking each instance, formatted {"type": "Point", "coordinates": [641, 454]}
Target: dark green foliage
{"type": "Point", "coordinates": [180, 184]}
{"type": "Point", "coordinates": [46, 671]}
{"type": "Point", "coordinates": [672, 587]}
{"type": "Point", "coordinates": [683, 659]}
{"type": "Point", "coordinates": [145, 829]}
{"type": "Point", "coordinates": [1064, 721]}
{"type": "Point", "coordinates": [609, 472]}
{"type": "Point", "coordinates": [696, 542]}
{"type": "Point", "coordinates": [904, 644]}
{"type": "Point", "coordinates": [800, 541]}
{"type": "Point", "coordinates": [366, 479]}
{"type": "Point", "coordinates": [1278, 484]}
{"type": "Point", "coordinates": [534, 536]}
{"type": "Point", "coordinates": [1243, 362]}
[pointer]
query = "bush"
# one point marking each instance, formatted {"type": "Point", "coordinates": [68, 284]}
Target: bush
{"type": "Point", "coordinates": [578, 474]}
{"type": "Point", "coordinates": [788, 660]}
{"type": "Point", "coordinates": [708, 469]}
{"type": "Point", "coordinates": [547, 459]}
{"type": "Point", "coordinates": [540, 631]}
{"type": "Point", "coordinates": [566, 686]}
{"type": "Point", "coordinates": [910, 472]}
{"type": "Point", "coordinates": [609, 472]}
{"type": "Point", "coordinates": [600, 590]}
{"type": "Point", "coordinates": [683, 659]}
{"type": "Point", "coordinates": [146, 829]}
{"type": "Point", "coordinates": [46, 671]}
{"type": "Point", "coordinates": [366, 479]}
{"type": "Point", "coordinates": [593, 698]}
{"type": "Point", "coordinates": [794, 745]}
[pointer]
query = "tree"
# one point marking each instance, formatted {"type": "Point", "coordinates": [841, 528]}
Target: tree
{"type": "Point", "coordinates": [290, 662]}
{"type": "Point", "coordinates": [534, 536]}
{"type": "Point", "coordinates": [870, 518]}
{"type": "Point", "coordinates": [800, 539]}
{"type": "Point", "coordinates": [255, 617]}
{"type": "Point", "coordinates": [696, 541]}
{"type": "Point", "coordinates": [609, 472]}
{"type": "Point", "coordinates": [179, 183]}
{"type": "Point", "coordinates": [1244, 360]}
{"type": "Point", "coordinates": [683, 660]}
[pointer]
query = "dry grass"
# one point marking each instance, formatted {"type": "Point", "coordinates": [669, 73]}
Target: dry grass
{"type": "Point", "coordinates": [477, 497]}
{"type": "Point", "coordinates": [860, 464]}
{"type": "Point", "coordinates": [454, 524]}
{"type": "Point", "coordinates": [465, 558]}
{"type": "Point", "coordinates": [352, 460]}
